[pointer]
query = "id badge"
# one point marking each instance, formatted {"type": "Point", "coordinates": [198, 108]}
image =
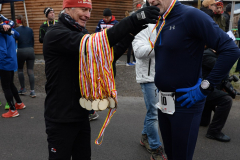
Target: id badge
{"type": "Point", "coordinates": [166, 102]}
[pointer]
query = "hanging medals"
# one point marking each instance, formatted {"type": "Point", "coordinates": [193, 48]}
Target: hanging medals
{"type": "Point", "coordinates": [96, 80]}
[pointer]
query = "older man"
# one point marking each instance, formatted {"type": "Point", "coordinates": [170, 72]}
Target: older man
{"type": "Point", "coordinates": [184, 31]}
{"type": "Point", "coordinates": [67, 123]}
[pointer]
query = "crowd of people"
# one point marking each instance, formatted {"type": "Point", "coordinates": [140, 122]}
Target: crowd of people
{"type": "Point", "coordinates": [180, 59]}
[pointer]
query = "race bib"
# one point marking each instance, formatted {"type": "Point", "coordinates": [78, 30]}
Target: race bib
{"type": "Point", "coordinates": [166, 102]}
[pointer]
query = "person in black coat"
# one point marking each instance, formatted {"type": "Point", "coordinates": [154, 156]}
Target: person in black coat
{"type": "Point", "coordinates": [218, 101]}
{"type": "Point", "coordinates": [67, 123]}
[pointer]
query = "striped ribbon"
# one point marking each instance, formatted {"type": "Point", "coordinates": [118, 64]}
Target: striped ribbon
{"type": "Point", "coordinates": [96, 77]}
{"type": "Point", "coordinates": [163, 23]}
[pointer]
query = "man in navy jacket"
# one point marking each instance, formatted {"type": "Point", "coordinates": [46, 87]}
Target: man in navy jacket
{"type": "Point", "coordinates": [178, 52]}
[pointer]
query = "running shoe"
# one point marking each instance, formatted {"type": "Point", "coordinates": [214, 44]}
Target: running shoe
{"type": "Point", "coordinates": [93, 116]}
{"type": "Point", "coordinates": [20, 106]}
{"type": "Point", "coordinates": [32, 94]}
{"type": "Point", "coordinates": [134, 62]}
{"type": "Point", "coordinates": [22, 91]}
{"type": "Point", "coordinates": [7, 106]}
{"type": "Point", "coordinates": [158, 154]}
{"type": "Point", "coordinates": [144, 142]}
{"type": "Point", "coordinates": [10, 114]}
{"type": "Point", "coordinates": [129, 64]}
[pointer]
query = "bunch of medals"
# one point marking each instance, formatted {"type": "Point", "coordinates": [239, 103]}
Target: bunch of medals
{"type": "Point", "coordinates": [96, 77]}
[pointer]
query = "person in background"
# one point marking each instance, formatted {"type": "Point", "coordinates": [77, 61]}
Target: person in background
{"type": "Point", "coordinates": [130, 49]}
{"type": "Point", "coordinates": [227, 14]}
{"type": "Point", "coordinates": [8, 64]}
{"type": "Point", "coordinates": [209, 7]}
{"type": "Point", "coordinates": [50, 15]}
{"type": "Point", "coordinates": [26, 54]}
{"type": "Point", "coordinates": [8, 29]}
{"type": "Point", "coordinates": [108, 21]}
{"type": "Point", "coordinates": [145, 72]}
{"type": "Point", "coordinates": [238, 64]}
{"type": "Point", "coordinates": [218, 16]}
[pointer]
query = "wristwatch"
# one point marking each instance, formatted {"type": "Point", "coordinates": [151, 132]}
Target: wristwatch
{"type": "Point", "coordinates": [205, 85]}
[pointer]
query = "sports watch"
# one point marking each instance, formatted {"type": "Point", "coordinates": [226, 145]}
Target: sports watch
{"type": "Point", "coordinates": [205, 85]}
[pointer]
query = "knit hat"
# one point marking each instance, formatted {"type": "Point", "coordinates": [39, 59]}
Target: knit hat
{"type": "Point", "coordinates": [228, 7]}
{"type": "Point", "coordinates": [138, 5]}
{"type": "Point", "coordinates": [47, 10]}
{"type": "Point", "coordinates": [77, 3]}
{"type": "Point", "coordinates": [107, 12]}
{"type": "Point", "coordinates": [219, 4]}
{"type": "Point", "coordinates": [207, 3]}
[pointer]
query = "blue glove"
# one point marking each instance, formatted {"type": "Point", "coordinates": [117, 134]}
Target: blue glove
{"type": "Point", "coordinates": [192, 96]}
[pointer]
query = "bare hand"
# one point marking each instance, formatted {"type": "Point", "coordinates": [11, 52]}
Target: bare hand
{"type": "Point", "coordinates": [6, 27]}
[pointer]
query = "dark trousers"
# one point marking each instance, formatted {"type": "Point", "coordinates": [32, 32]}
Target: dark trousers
{"type": "Point", "coordinates": [179, 134]}
{"type": "Point", "coordinates": [69, 141]}
{"type": "Point", "coordinates": [222, 107]}
{"type": "Point", "coordinates": [130, 51]}
{"type": "Point", "coordinates": [9, 88]}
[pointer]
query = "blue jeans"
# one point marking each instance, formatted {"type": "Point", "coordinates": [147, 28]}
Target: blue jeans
{"type": "Point", "coordinates": [151, 120]}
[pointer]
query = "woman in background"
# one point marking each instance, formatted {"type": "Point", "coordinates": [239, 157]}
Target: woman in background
{"type": "Point", "coordinates": [26, 54]}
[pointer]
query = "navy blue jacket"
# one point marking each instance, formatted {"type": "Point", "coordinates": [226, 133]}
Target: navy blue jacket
{"type": "Point", "coordinates": [8, 57]}
{"type": "Point", "coordinates": [102, 24]}
{"type": "Point", "coordinates": [26, 38]}
{"type": "Point", "coordinates": [179, 49]}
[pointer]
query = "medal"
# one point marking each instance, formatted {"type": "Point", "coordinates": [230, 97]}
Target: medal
{"type": "Point", "coordinates": [82, 102]}
{"type": "Point", "coordinates": [88, 105]}
{"type": "Point", "coordinates": [103, 104]}
{"type": "Point", "coordinates": [112, 103]}
{"type": "Point", "coordinates": [95, 104]}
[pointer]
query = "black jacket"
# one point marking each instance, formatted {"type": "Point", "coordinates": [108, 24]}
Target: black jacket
{"type": "Point", "coordinates": [208, 62]}
{"type": "Point", "coordinates": [43, 29]}
{"type": "Point", "coordinates": [61, 54]}
{"type": "Point", "coordinates": [227, 18]}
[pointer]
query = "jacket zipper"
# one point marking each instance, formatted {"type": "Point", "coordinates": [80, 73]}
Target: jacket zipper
{"type": "Point", "coordinates": [149, 67]}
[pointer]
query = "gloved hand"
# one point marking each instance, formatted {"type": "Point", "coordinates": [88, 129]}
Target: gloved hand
{"type": "Point", "coordinates": [146, 15]}
{"type": "Point", "coordinates": [5, 32]}
{"type": "Point", "coordinates": [192, 96]}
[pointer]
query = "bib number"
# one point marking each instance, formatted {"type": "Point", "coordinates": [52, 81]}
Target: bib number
{"type": "Point", "coordinates": [166, 102]}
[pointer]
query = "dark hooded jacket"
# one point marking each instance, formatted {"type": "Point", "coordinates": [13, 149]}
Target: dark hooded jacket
{"type": "Point", "coordinates": [102, 24]}
{"type": "Point", "coordinates": [61, 54]}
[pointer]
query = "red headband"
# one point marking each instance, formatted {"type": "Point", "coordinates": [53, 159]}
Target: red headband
{"type": "Point", "coordinates": [219, 4]}
{"type": "Point", "coordinates": [19, 21]}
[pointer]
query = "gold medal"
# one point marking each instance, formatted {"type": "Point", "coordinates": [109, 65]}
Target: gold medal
{"type": "Point", "coordinates": [82, 102]}
{"type": "Point", "coordinates": [111, 102]}
{"type": "Point", "coordinates": [88, 105]}
{"type": "Point", "coordinates": [95, 104]}
{"type": "Point", "coordinates": [103, 104]}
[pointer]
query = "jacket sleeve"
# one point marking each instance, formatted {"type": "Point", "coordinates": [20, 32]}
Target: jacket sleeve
{"type": "Point", "coordinates": [141, 45]}
{"type": "Point", "coordinates": [16, 34]}
{"type": "Point", "coordinates": [98, 29]}
{"type": "Point", "coordinates": [3, 46]}
{"type": "Point", "coordinates": [205, 29]}
{"type": "Point", "coordinates": [120, 30]}
{"type": "Point", "coordinates": [10, 22]}
{"type": "Point", "coordinates": [32, 38]}
{"type": "Point", "coordinates": [41, 34]}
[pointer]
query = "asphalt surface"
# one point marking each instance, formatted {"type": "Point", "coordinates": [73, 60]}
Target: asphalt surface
{"type": "Point", "coordinates": [24, 137]}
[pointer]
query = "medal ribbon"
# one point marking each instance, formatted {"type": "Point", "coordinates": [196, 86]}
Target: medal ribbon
{"type": "Point", "coordinates": [163, 23]}
{"type": "Point", "coordinates": [96, 73]}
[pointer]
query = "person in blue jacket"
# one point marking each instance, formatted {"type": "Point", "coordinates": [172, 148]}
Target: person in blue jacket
{"type": "Point", "coordinates": [8, 63]}
{"type": "Point", "coordinates": [178, 55]}
{"type": "Point", "coordinates": [108, 20]}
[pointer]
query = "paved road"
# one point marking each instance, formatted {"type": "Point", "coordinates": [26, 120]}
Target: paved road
{"type": "Point", "coordinates": [24, 138]}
